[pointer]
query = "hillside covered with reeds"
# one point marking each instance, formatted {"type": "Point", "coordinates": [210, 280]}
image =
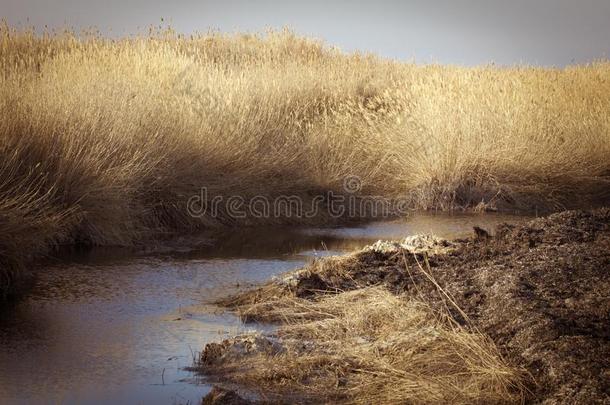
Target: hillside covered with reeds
{"type": "Point", "coordinates": [103, 141]}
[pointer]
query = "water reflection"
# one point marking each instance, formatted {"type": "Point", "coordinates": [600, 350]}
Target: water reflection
{"type": "Point", "coordinates": [119, 326]}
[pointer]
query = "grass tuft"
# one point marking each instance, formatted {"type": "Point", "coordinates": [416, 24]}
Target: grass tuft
{"type": "Point", "coordinates": [371, 346]}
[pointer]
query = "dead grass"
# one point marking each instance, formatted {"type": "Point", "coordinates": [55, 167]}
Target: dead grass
{"type": "Point", "coordinates": [103, 141]}
{"type": "Point", "coordinates": [394, 265]}
{"type": "Point", "coordinates": [370, 346]}
{"type": "Point", "coordinates": [535, 290]}
{"type": "Point", "coordinates": [341, 340]}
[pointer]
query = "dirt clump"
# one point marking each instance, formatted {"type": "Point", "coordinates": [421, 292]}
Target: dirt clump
{"type": "Point", "coordinates": [222, 396]}
{"type": "Point", "coordinates": [538, 290]}
{"type": "Point", "coordinates": [237, 347]}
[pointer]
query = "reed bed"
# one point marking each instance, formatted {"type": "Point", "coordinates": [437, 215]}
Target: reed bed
{"type": "Point", "coordinates": [103, 141]}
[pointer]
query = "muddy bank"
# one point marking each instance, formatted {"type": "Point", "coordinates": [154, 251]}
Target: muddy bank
{"type": "Point", "coordinates": [539, 291]}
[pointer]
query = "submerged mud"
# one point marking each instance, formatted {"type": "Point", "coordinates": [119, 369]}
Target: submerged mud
{"type": "Point", "coordinates": [538, 290]}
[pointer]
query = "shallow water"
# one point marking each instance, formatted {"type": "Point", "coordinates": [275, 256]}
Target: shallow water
{"type": "Point", "coordinates": [119, 326]}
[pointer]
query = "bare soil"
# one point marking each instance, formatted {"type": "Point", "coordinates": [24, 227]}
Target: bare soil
{"type": "Point", "coordinates": [539, 290]}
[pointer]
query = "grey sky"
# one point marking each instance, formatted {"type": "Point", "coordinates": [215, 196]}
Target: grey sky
{"type": "Point", "coordinates": [543, 32]}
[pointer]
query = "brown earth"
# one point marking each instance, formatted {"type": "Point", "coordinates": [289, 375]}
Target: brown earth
{"type": "Point", "coordinates": [539, 290]}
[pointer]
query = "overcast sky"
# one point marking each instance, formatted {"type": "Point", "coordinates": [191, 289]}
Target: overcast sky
{"type": "Point", "coordinates": [467, 32]}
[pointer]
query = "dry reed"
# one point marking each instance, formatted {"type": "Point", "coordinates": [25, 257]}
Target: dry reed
{"type": "Point", "coordinates": [371, 346]}
{"type": "Point", "coordinates": [103, 141]}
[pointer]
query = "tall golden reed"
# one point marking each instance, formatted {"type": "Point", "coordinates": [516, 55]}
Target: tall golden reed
{"type": "Point", "coordinates": [103, 141]}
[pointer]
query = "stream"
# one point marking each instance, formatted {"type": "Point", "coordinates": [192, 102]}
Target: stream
{"type": "Point", "coordinates": [112, 325]}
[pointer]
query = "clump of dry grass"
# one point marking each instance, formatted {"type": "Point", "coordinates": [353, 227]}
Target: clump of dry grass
{"type": "Point", "coordinates": [396, 265]}
{"type": "Point", "coordinates": [104, 141]}
{"type": "Point", "coordinates": [371, 346]}
{"type": "Point", "coordinates": [347, 323]}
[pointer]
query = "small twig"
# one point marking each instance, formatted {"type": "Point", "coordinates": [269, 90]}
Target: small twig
{"type": "Point", "coordinates": [442, 291]}
{"type": "Point", "coordinates": [404, 259]}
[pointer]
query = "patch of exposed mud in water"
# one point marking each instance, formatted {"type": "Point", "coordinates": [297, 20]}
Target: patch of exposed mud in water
{"type": "Point", "coordinates": [538, 290]}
